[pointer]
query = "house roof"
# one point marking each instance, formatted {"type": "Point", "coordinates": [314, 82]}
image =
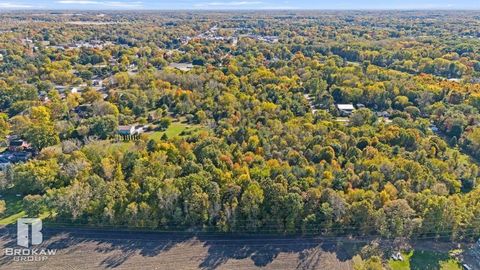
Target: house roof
{"type": "Point", "coordinates": [16, 143]}
{"type": "Point", "coordinates": [348, 107]}
{"type": "Point", "coordinates": [125, 128]}
{"type": "Point", "coordinates": [182, 66]}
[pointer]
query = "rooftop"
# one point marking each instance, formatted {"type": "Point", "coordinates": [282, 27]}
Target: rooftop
{"type": "Point", "coordinates": [346, 107]}
{"type": "Point", "coordinates": [182, 66]}
{"type": "Point", "coordinates": [125, 128]}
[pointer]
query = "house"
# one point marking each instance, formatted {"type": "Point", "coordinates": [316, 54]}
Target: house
{"type": "Point", "coordinates": [384, 114]}
{"type": "Point", "coordinates": [126, 130]}
{"type": "Point", "coordinates": [132, 67]}
{"type": "Point", "coordinates": [185, 40]}
{"type": "Point", "coordinates": [8, 158]}
{"type": "Point", "coordinates": [345, 109]}
{"type": "Point", "coordinates": [454, 80]}
{"type": "Point", "coordinates": [100, 66]}
{"type": "Point", "coordinates": [43, 97]}
{"type": "Point", "coordinates": [97, 83]}
{"type": "Point", "coordinates": [18, 151]}
{"type": "Point", "coordinates": [139, 129]}
{"type": "Point", "coordinates": [57, 47]}
{"type": "Point", "coordinates": [434, 128]}
{"type": "Point", "coordinates": [18, 145]}
{"type": "Point", "coordinates": [61, 88]}
{"type": "Point", "coordinates": [130, 130]}
{"type": "Point", "coordinates": [26, 41]}
{"type": "Point", "coordinates": [182, 66]}
{"type": "Point", "coordinates": [307, 97]}
{"type": "Point", "coordinates": [64, 89]}
{"type": "Point", "coordinates": [269, 39]}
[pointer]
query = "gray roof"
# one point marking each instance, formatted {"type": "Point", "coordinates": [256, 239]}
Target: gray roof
{"type": "Point", "coordinates": [347, 107]}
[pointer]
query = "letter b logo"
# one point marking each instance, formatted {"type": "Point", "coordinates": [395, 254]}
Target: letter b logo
{"type": "Point", "coordinates": [23, 225]}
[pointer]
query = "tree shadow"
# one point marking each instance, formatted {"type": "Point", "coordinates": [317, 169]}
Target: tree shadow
{"type": "Point", "coordinates": [7, 241]}
{"type": "Point", "coordinates": [119, 246]}
{"type": "Point", "coordinates": [263, 250]}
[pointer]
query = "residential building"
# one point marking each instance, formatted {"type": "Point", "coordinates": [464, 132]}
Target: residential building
{"type": "Point", "coordinates": [345, 109]}
{"type": "Point", "coordinates": [182, 66]}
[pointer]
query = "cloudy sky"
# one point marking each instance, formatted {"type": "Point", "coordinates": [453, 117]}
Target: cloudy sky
{"type": "Point", "coordinates": [239, 4]}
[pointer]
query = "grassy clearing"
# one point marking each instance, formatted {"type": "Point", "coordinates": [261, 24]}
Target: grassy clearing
{"type": "Point", "coordinates": [14, 209]}
{"type": "Point", "coordinates": [401, 265]}
{"type": "Point", "coordinates": [12, 218]}
{"type": "Point", "coordinates": [118, 146]}
{"type": "Point", "coordinates": [107, 146]}
{"type": "Point", "coordinates": [175, 130]}
{"type": "Point", "coordinates": [425, 260]}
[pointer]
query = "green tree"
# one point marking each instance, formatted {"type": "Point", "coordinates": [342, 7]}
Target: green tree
{"type": "Point", "coordinates": [103, 127]}
{"type": "Point", "coordinates": [41, 131]}
{"type": "Point", "coordinates": [250, 205]}
{"type": "Point", "coordinates": [33, 204]}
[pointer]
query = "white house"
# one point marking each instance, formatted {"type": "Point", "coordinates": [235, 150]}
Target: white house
{"type": "Point", "coordinates": [182, 66]}
{"type": "Point", "coordinates": [130, 129]}
{"type": "Point", "coordinates": [126, 130]}
{"type": "Point", "coordinates": [345, 109]}
{"type": "Point", "coordinates": [454, 80]}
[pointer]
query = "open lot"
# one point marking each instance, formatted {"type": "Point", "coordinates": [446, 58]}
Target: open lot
{"type": "Point", "coordinates": [94, 249]}
{"type": "Point", "coordinates": [114, 249]}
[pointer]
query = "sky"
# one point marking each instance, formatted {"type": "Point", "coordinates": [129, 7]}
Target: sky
{"type": "Point", "coordinates": [238, 4]}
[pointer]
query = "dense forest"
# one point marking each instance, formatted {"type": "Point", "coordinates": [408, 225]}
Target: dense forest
{"type": "Point", "coordinates": [263, 147]}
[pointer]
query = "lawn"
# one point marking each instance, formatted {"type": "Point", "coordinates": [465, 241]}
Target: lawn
{"type": "Point", "coordinates": [401, 265]}
{"type": "Point", "coordinates": [425, 260]}
{"type": "Point", "coordinates": [108, 146]}
{"type": "Point", "coordinates": [11, 218]}
{"type": "Point", "coordinates": [174, 130]}
{"type": "Point", "coordinates": [15, 209]}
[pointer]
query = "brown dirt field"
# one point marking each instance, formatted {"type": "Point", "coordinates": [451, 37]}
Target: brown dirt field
{"type": "Point", "coordinates": [94, 249]}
